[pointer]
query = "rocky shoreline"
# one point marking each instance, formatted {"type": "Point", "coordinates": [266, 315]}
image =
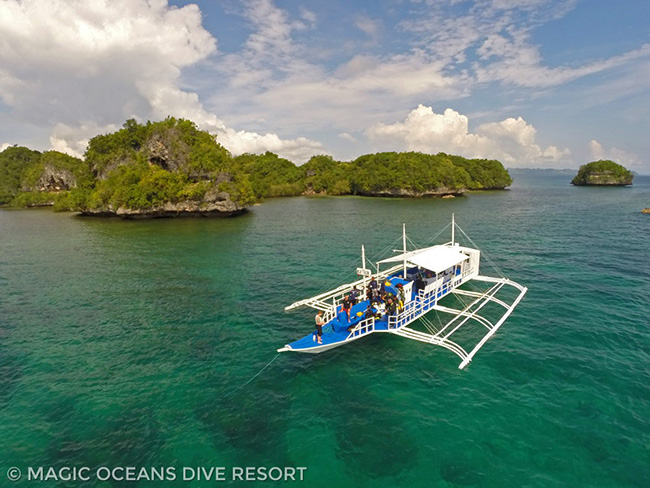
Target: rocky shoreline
{"type": "Point", "coordinates": [399, 193]}
{"type": "Point", "coordinates": [404, 193]}
{"type": "Point", "coordinates": [166, 211]}
{"type": "Point", "coordinates": [215, 204]}
{"type": "Point", "coordinates": [603, 179]}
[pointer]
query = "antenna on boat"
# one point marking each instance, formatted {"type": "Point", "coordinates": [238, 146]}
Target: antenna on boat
{"type": "Point", "coordinates": [404, 243]}
{"type": "Point", "coordinates": [453, 228]}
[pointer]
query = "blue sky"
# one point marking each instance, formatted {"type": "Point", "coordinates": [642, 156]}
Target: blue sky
{"type": "Point", "coordinates": [536, 83]}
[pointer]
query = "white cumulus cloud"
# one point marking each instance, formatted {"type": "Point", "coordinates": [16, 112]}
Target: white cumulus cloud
{"type": "Point", "coordinates": [74, 140]}
{"type": "Point", "coordinates": [347, 137]}
{"type": "Point", "coordinates": [297, 150]}
{"type": "Point", "coordinates": [63, 61]}
{"type": "Point", "coordinates": [615, 154]}
{"type": "Point", "coordinates": [83, 65]}
{"type": "Point", "coordinates": [512, 141]}
{"type": "Point", "coordinates": [596, 149]}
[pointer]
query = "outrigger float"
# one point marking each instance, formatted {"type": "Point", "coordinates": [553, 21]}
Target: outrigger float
{"type": "Point", "coordinates": [430, 279]}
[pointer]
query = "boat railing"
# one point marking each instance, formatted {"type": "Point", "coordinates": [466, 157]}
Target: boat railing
{"type": "Point", "coordinates": [362, 327]}
{"type": "Point", "coordinates": [422, 303]}
{"type": "Point", "coordinates": [390, 319]}
{"type": "Point", "coordinates": [425, 300]}
{"type": "Point", "coordinates": [338, 293]}
{"type": "Point", "coordinates": [432, 285]}
{"type": "Point", "coordinates": [446, 287]}
{"type": "Point", "coordinates": [409, 313]}
{"type": "Point", "coordinates": [330, 314]}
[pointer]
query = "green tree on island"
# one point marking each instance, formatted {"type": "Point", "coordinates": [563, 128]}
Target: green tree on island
{"type": "Point", "coordinates": [15, 161]}
{"type": "Point", "coordinates": [603, 172]}
{"type": "Point", "coordinates": [171, 166]}
{"type": "Point", "coordinates": [143, 166]}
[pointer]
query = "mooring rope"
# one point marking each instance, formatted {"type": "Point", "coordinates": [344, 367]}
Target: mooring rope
{"type": "Point", "coordinates": [337, 283]}
{"type": "Point", "coordinates": [487, 258]}
{"type": "Point", "coordinates": [415, 246]}
{"type": "Point", "coordinates": [431, 239]}
{"type": "Point", "coordinates": [378, 256]}
{"type": "Point", "coordinates": [256, 375]}
{"type": "Point", "coordinates": [429, 325]}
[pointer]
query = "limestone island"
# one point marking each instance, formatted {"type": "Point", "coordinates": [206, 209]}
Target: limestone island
{"type": "Point", "coordinates": [171, 168]}
{"type": "Point", "coordinates": [603, 173]}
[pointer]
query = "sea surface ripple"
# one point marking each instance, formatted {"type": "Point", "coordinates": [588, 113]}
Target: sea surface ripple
{"type": "Point", "coordinates": [130, 344]}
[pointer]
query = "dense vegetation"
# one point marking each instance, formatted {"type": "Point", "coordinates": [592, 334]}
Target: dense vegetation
{"type": "Point", "coordinates": [14, 163]}
{"type": "Point", "coordinates": [147, 165]}
{"type": "Point", "coordinates": [143, 166]}
{"type": "Point", "coordinates": [409, 173]}
{"type": "Point", "coordinates": [416, 173]}
{"type": "Point", "coordinates": [603, 172]}
{"type": "Point", "coordinates": [270, 175]}
{"type": "Point", "coordinates": [483, 173]}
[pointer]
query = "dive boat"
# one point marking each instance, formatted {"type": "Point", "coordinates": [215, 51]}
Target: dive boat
{"type": "Point", "coordinates": [440, 280]}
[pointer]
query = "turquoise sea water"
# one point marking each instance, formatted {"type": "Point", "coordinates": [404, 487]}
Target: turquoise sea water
{"type": "Point", "coordinates": [130, 343]}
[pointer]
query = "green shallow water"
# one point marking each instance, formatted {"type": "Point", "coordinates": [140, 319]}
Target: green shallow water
{"type": "Point", "coordinates": [130, 343]}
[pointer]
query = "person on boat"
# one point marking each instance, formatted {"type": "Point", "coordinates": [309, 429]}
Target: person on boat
{"type": "Point", "coordinates": [354, 296]}
{"type": "Point", "coordinates": [382, 291]}
{"type": "Point", "coordinates": [389, 295]}
{"type": "Point", "coordinates": [391, 307]}
{"type": "Point", "coordinates": [373, 288]}
{"type": "Point", "coordinates": [401, 298]}
{"type": "Point", "coordinates": [320, 322]}
{"type": "Point", "coordinates": [346, 306]}
{"type": "Point", "coordinates": [370, 312]}
{"type": "Point", "coordinates": [419, 284]}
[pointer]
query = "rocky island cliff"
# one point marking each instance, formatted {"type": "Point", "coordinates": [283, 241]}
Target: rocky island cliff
{"type": "Point", "coordinates": [171, 168]}
{"type": "Point", "coordinates": [603, 173]}
{"type": "Point", "coordinates": [161, 169]}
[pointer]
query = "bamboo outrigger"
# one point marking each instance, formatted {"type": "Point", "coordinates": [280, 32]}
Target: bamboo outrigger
{"type": "Point", "coordinates": [423, 281]}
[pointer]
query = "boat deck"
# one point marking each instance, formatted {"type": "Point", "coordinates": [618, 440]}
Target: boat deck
{"type": "Point", "coordinates": [336, 330]}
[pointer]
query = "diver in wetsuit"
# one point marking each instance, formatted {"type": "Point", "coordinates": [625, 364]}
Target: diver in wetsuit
{"type": "Point", "coordinates": [373, 290]}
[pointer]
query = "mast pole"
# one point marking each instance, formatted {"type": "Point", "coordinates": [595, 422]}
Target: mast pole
{"type": "Point", "coordinates": [363, 265]}
{"type": "Point", "coordinates": [404, 243]}
{"type": "Point", "coordinates": [453, 229]}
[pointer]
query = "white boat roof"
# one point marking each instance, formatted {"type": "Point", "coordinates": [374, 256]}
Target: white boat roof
{"type": "Point", "coordinates": [436, 258]}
